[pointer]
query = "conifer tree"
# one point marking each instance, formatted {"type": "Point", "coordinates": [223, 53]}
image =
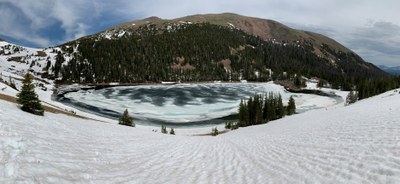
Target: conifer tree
{"type": "Point", "coordinates": [241, 113]}
{"type": "Point", "coordinates": [257, 106]}
{"type": "Point", "coordinates": [126, 120]}
{"type": "Point", "coordinates": [172, 131]}
{"type": "Point", "coordinates": [228, 125]}
{"type": "Point", "coordinates": [28, 98]}
{"type": "Point", "coordinates": [271, 114]}
{"type": "Point", "coordinates": [280, 108]}
{"type": "Point", "coordinates": [291, 106]}
{"type": "Point", "coordinates": [164, 129]}
{"type": "Point", "coordinates": [214, 132]}
{"type": "Point", "coordinates": [250, 110]}
{"type": "Point", "coordinates": [352, 97]}
{"type": "Point", "coordinates": [266, 108]}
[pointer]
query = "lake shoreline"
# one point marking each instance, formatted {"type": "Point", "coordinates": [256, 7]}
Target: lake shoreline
{"type": "Point", "coordinates": [149, 120]}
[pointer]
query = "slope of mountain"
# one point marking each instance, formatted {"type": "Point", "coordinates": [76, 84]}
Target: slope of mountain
{"type": "Point", "coordinates": [264, 28]}
{"type": "Point", "coordinates": [211, 47]}
{"type": "Point", "coordinates": [226, 47]}
{"type": "Point", "coordinates": [16, 60]}
{"type": "Point", "coordinates": [342, 144]}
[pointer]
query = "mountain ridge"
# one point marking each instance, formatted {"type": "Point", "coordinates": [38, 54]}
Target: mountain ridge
{"type": "Point", "coordinates": [393, 70]}
{"type": "Point", "coordinates": [267, 29]}
{"type": "Point", "coordinates": [209, 47]}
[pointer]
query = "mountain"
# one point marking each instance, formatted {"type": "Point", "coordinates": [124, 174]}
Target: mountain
{"type": "Point", "coordinates": [226, 47]}
{"type": "Point", "coordinates": [264, 28]}
{"type": "Point", "coordinates": [391, 70]}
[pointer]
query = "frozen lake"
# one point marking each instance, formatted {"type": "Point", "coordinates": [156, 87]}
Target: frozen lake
{"type": "Point", "coordinates": [183, 104]}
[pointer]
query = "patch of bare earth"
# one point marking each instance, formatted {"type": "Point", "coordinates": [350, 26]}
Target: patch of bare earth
{"type": "Point", "coordinates": [182, 65]}
{"type": "Point", "coordinates": [47, 107]}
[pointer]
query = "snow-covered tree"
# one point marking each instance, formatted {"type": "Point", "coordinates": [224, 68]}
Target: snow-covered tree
{"type": "Point", "coordinates": [352, 97]}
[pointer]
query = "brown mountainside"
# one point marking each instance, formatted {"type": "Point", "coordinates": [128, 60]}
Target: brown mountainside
{"type": "Point", "coordinates": [264, 28]}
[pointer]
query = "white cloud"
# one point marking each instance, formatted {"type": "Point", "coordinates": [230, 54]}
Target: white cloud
{"type": "Point", "coordinates": [36, 16]}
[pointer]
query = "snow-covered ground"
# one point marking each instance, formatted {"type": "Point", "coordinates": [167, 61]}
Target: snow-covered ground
{"type": "Point", "coordinates": [359, 143]}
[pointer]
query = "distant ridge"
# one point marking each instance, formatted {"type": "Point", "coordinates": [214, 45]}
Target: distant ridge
{"type": "Point", "coordinates": [395, 70]}
{"type": "Point", "coordinates": [264, 28]}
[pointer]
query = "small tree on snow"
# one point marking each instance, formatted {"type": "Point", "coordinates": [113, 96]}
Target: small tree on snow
{"type": "Point", "coordinates": [28, 98]}
{"type": "Point", "coordinates": [164, 129]}
{"type": "Point", "coordinates": [126, 120]}
{"type": "Point", "coordinates": [172, 132]}
{"type": "Point", "coordinates": [291, 109]}
{"type": "Point", "coordinates": [352, 97]}
{"type": "Point", "coordinates": [214, 132]}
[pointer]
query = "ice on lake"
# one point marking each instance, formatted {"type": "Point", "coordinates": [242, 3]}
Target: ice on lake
{"type": "Point", "coordinates": [185, 103]}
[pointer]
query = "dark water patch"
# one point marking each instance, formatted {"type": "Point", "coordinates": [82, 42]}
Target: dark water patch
{"type": "Point", "coordinates": [209, 100]}
{"type": "Point", "coordinates": [142, 121]}
{"type": "Point", "coordinates": [89, 108]}
{"type": "Point", "coordinates": [108, 93]}
{"type": "Point", "coordinates": [158, 101]}
{"type": "Point", "coordinates": [180, 95]}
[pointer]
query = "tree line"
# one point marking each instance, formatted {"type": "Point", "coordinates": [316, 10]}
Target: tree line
{"type": "Point", "coordinates": [371, 87]}
{"type": "Point", "coordinates": [202, 52]}
{"type": "Point", "coordinates": [260, 110]}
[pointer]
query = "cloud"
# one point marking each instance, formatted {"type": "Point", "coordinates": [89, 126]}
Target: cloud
{"type": "Point", "coordinates": [379, 42]}
{"type": "Point", "coordinates": [26, 20]}
{"type": "Point", "coordinates": [13, 22]}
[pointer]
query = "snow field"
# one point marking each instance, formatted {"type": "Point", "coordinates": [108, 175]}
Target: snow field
{"type": "Point", "coordinates": [359, 143]}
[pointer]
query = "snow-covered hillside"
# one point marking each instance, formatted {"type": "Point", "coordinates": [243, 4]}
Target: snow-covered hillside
{"type": "Point", "coordinates": [359, 143]}
{"type": "Point", "coordinates": [16, 60]}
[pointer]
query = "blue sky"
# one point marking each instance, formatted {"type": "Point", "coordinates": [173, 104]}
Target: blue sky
{"type": "Point", "coordinates": [370, 28]}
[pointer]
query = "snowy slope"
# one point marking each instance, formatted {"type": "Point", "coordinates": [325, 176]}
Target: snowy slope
{"type": "Point", "coordinates": [359, 143]}
{"type": "Point", "coordinates": [16, 60]}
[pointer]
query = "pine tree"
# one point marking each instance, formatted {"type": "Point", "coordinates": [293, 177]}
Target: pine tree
{"type": "Point", "coordinates": [164, 129]}
{"type": "Point", "coordinates": [172, 132]}
{"type": "Point", "coordinates": [352, 97]}
{"type": "Point", "coordinates": [228, 125]}
{"type": "Point", "coordinates": [57, 66]}
{"type": "Point", "coordinates": [28, 98]}
{"type": "Point", "coordinates": [280, 108]}
{"type": "Point", "coordinates": [251, 112]}
{"type": "Point", "coordinates": [242, 113]}
{"type": "Point", "coordinates": [214, 132]}
{"type": "Point", "coordinates": [266, 108]}
{"type": "Point", "coordinates": [271, 114]}
{"type": "Point", "coordinates": [126, 120]}
{"type": "Point", "coordinates": [291, 106]}
{"type": "Point", "coordinates": [258, 110]}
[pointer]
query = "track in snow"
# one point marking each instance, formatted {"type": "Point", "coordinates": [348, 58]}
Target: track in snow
{"type": "Point", "coordinates": [355, 144]}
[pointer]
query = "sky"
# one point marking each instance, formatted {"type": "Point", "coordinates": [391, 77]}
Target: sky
{"type": "Point", "coordinates": [371, 28]}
